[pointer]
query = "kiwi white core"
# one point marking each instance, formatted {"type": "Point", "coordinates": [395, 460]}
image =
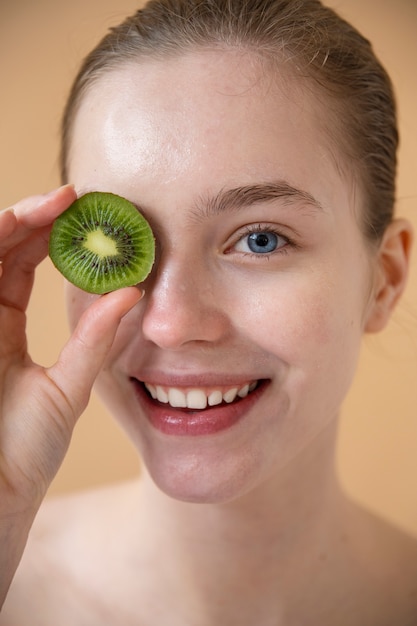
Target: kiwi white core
{"type": "Point", "coordinates": [97, 242]}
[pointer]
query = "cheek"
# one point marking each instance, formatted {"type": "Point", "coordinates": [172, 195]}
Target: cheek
{"type": "Point", "coordinates": [302, 318]}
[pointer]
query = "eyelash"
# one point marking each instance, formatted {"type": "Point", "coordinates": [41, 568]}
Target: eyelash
{"type": "Point", "coordinates": [265, 228]}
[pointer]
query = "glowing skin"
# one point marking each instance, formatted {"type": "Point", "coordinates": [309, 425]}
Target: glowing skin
{"type": "Point", "coordinates": [171, 137]}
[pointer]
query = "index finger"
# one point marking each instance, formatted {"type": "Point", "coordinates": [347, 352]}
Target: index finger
{"type": "Point", "coordinates": [32, 213]}
{"type": "Point", "coordinates": [41, 210]}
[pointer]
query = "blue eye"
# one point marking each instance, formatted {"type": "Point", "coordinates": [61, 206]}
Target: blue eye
{"type": "Point", "coordinates": [262, 242]}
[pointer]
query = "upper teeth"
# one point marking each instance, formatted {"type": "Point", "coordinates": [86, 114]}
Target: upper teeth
{"type": "Point", "coordinates": [196, 398]}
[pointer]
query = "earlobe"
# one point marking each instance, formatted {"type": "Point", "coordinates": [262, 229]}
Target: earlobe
{"type": "Point", "coordinates": [393, 258]}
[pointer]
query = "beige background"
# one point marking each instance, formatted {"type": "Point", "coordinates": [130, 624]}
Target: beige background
{"type": "Point", "coordinates": [41, 43]}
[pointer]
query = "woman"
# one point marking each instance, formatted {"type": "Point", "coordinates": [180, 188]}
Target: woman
{"type": "Point", "coordinates": [259, 139]}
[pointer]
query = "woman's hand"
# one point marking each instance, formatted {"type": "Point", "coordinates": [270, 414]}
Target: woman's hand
{"type": "Point", "coordinates": [40, 406]}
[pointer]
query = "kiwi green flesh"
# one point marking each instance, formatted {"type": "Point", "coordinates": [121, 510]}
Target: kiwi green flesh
{"type": "Point", "coordinates": [102, 243]}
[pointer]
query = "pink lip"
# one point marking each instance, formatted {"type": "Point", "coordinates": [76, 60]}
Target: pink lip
{"type": "Point", "coordinates": [180, 422]}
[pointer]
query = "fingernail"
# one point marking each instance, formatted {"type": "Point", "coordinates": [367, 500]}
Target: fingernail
{"type": "Point", "coordinates": [58, 189]}
{"type": "Point", "coordinates": [9, 209]}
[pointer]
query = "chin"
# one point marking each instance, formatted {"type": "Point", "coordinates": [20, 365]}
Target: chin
{"type": "Point", "coordinates": [203, 481]}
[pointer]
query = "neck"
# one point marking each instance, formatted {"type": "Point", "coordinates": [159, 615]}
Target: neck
{"type": "Point", "coordinates": [271, 539]}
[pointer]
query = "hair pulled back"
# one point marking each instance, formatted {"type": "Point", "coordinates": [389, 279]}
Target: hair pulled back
{"type": "Point", "coordinates": [319, 44]}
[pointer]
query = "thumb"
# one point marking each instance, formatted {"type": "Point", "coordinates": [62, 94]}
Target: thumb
{"type": "Point", "coordinates": [82, 357]}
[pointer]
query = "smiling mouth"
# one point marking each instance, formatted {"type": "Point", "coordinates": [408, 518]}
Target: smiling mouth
{"type": "Point", "coordinates": [198, 398]}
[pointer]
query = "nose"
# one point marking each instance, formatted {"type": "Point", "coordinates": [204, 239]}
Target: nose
{"type": "Point", "coordinates": [182, 307]}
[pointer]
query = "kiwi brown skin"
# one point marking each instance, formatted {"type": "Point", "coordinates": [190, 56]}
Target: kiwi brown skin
{"type": "Point", "coordinates": [102, 243]}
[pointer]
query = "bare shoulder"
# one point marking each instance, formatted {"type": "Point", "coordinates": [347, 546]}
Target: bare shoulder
{"type": "Point", "coordinates": [390, 544]}
{"type": "Point", "coordinates": [387, 555]}
{"type": "Point", "coordinates": [64, 549]}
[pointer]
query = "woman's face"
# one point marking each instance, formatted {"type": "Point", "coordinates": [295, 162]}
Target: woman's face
{"type": "Point", "coordinates": [262, 281]}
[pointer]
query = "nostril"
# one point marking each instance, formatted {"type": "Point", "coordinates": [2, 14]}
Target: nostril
{"type": "Point", "coordinates": [176, 314]}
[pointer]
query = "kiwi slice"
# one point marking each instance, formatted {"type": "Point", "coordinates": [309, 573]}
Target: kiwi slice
{"type": "Point", "coordinates": [102, 243]}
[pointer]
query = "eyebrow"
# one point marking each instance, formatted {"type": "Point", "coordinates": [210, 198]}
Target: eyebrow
{"type": "Point", "coordinates": [248, 195]}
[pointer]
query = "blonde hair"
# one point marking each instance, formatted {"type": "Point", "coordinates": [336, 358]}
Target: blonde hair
{"type": "Point", "coordinates": [320, 45]}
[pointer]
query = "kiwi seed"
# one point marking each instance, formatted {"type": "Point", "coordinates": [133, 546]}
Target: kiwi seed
{"type": "Point", "coordinates": [102, 243]}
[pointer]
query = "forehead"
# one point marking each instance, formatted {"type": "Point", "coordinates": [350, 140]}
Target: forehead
{"type": "Point", "coordinates": [213, 115]}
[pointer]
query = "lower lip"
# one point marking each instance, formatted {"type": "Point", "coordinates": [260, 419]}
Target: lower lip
{"type": "Point", "coordinates": [177, 422]}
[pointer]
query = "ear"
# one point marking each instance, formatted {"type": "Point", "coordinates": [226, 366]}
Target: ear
{"type": "Point", "coordinates": [393, 258]}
